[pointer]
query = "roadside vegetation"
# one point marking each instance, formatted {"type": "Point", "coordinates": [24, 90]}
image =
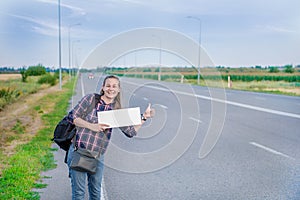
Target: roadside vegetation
{"type": "Point", "coordinates": [279, 80]}
{"type": "Point", "coordinates": [26, 131]}
{"type": "Point", "coordinates": [32, 79]}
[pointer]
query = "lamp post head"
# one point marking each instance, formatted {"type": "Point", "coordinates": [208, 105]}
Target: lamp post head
{"type": "Point", "coordinates": [193, 17]}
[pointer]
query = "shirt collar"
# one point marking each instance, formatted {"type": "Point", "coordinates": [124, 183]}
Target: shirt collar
{"type": "Point", "coordinates": [103, 102]}
{"type": "Point", "coordinates": [103, 106]}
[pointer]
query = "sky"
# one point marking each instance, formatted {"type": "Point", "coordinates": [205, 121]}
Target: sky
{"type": "Point", "coordinates": [234, 33]}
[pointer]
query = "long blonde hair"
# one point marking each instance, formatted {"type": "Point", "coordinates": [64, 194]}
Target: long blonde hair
{"type": "Point", "coordinates": [117, 100]}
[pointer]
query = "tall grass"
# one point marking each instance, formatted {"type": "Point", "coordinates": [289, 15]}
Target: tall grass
{"type": "Point", "coordinates": [258, 80]}
{"type": "Point", "coordinates": [25, 166]}
{"type": "Point", "coordinates": [12, 90]}
{"type": "Point", "coordinates": [249, 78]}
{"type": "Point", "coordinates": [233, 77]}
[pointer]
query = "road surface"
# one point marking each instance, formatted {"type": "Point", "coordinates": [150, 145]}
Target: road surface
{"type": "Point", "coordinates": [256, 155]}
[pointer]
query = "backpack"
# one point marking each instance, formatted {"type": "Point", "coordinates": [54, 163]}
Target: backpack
{"type": "Point", "coordinates": [65, 130]}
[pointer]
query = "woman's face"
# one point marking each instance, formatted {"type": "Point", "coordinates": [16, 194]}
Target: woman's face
{"type": "Point", "coordinates": [111, 88]}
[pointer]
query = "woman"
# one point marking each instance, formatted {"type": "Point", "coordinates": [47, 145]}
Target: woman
{"type": "Point", "coordinates": [95, 136]}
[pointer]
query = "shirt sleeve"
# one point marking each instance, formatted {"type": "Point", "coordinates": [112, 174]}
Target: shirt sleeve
{"type": "Point", "coordinates": [79, 111]}
{"type": "Point", "coordinates": [129, 131]}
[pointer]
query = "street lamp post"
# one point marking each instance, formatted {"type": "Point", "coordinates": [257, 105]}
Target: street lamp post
{"type": "Point", "coordinates": [69, 43]}
{"type": "Point", "coordinates": [199, 50]}
{"type": "Point", "coordinates": [59, 45]}
{"type": "Point", "coordinates": [73, 52]}
{"type": "Point", "coordinates": [159, 69]}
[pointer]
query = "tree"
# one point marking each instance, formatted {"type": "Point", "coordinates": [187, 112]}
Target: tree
{"type": "Point", "coordinates": [36, 70]}
{"type": "Point", "coordinates": [289, 69]}
{"type": "Point", "coordinates": [273, 69]}
{"type": "Point", "coordinates": [24, 74]}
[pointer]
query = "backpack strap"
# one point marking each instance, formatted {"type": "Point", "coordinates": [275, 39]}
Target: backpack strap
{"type": "Point", "coordinates": [96, 99]}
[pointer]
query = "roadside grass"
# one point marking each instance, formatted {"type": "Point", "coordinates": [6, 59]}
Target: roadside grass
{"type": "Point", "coordinates": [24, 167]}
{"type": "Point", "coordinates": [242, 79]}
{"type": "Point", "coordinates": [29, 87]}
{"type": "Point", "coordinates": [11, 90]}
{"type": "Point", "coordinates": [274, 87]}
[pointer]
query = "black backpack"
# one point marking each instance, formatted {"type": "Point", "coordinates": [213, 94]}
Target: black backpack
{"type": "Point", "coordinates": [65, 130]}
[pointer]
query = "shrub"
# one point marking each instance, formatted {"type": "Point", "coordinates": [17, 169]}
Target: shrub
{"type": "Point", "coordinates": [36, 70]}
{"type": "Point", "coordinates": [8, 95]}
{"type": "Point", "coordinates": [47, 79]}
{"type": "Point", "coordinates": [289, 69]}
{"type": "Point", "coordinates": [274, 70]}
{"type": "Point", "coordinates": [24, 75]}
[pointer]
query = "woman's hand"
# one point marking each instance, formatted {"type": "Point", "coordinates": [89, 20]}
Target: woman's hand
{"type": "Point", "coordinates": [93, 127]}
{"type": "Point", "coordinates": [98, 127]}
{"type": "Point", "coordinates": [149, 112]}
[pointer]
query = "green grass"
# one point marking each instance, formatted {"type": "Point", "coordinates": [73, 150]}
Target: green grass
{"type": "Point", "coordinates": [18, 127]}
{"type": "Point", "coordinates": [14, 89]}
{"type": "Point", "coordinates": [267, 87]}
{"type": "Point", "coordinates": [29, 87]}
{"type": "Point", "coordinates": [265, 82]}
{"type": "Point", "coordinates": [30, 159]}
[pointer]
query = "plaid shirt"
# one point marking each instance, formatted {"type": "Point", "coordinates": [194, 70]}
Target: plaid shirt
{"type": "Point", "coordinates": [88, 139]}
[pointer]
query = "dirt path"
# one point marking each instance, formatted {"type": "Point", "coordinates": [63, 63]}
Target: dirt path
{"type": "Point", "coordinates": [20, 121]}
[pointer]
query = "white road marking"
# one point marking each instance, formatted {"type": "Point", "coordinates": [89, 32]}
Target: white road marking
{"type": "Point", "coordinates": [197, 120]}
{"type": "Point", "coordinates": [270, 150]}
{"type": "Point", "coordinates": [226, 101]}
{"type": "Point", "coordinates": [163, 106]}
{"type": "Point", "coordinates": [146, 99]}
{"type": "Point", "coordinates": [103, 191]}
{"type": "Point", "coordinates": [82, 86]}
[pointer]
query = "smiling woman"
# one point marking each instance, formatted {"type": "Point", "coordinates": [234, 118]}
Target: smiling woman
{"type": "Point", "coordinates": [94, 136]}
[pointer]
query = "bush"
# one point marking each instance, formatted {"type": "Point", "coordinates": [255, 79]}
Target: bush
{"type": "Point", "coordinates": [36, 70]}
{"type": "Point", "coordinates": [24, 75]}
{"type": "Point", "coordinates": [8, 95]}
{"type": "Point", "coordinates": [289, 69]}
{"type": "Point", "coordinates": [274, 70]}
{"type": "Point", "coordinates": [47, 79]}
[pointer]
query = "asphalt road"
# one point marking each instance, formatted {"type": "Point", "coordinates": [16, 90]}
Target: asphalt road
{"type": "Point", "coordinates": [203, 143]}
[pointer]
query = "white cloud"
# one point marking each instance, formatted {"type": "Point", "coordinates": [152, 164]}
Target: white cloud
{"type": "Point", "coordinates": [40, 26]}
{"type": "Point", "coordinates": [275, 29]}
{"type": "Point", "coordinates": [225, 22]}
{"type": "Point", "coordinates": [280, 29]}
{"type": "Point", "coordinates": [75, 10]}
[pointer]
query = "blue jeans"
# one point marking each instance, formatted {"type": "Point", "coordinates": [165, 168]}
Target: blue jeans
{"type": "Point", "coordinates": [78, 180]}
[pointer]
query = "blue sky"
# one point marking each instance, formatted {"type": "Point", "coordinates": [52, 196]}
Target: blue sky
{"type": "Point", "coordinates": [234, 32]}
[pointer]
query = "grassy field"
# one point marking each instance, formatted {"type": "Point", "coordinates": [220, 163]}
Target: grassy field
{"type": "Point", "coordinates": [259, 80]}
{"type": "Point", "coordinates": [4, 77]}
{"type": "Point", "coordinates": [25, 142]}
{"type": "Point", "coordinates": [12, 88]}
